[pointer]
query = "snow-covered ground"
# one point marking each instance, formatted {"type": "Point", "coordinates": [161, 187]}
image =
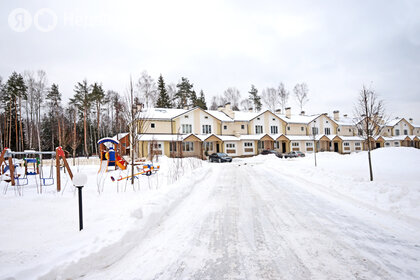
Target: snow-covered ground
{"type": "Point", "coordinates": [256, 218]}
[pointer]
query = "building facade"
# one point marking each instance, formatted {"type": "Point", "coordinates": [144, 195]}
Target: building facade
{"type": "Point", "coordinates": [197, 132]}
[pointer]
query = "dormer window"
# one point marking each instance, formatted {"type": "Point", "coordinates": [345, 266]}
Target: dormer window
{"type": "Point", "coordinates": [152, 125]}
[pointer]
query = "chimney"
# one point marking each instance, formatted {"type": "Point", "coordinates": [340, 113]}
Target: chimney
{"type": "Point", "coordinates": [336, 115]}
{"type": "Point", "coordinates": [288, 112]}
{"type": "Point", "coordinates": [278, 111]}
{"type": "Point", "coordinates": [228, 111]}
{"type": "Point", "coordinates": [302, 113]}
{"type": "Point", "coordinates": [411, 120]}
{"type": "Point", "coordinates": [219, 108]}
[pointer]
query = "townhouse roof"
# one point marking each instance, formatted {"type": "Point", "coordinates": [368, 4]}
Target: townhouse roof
{"type": "Point", "coordinates": [345, 121]}
{"type": "Point", "coordinates": [162, 113]}
{"type": "Point", "coordinates": [120, 136]}
{"type": "Point", "coordinates": [351, 138]}
{"type": "Point", "coordinates": [220, 115]}
{"type": "Point", "coordinates": [246, 116]}
{"type": "Point", "coordinates": [299, 118]}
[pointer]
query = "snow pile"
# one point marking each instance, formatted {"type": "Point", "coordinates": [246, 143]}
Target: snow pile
{"type": "Point", "coordinates": [396, 185]}
{"type": "Point", "coordinates": [39, 236]}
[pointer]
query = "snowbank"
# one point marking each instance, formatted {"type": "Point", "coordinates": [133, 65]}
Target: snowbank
{"type": "Point", "coordinates": [396, 185]}
{"type": "Point", "coordinates": [39, 235]}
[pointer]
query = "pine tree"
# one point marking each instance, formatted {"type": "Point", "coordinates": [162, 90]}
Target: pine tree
{"type": "Point", "coordinates": [163, 99]}
{"type": "Point", "coordinates": [97, 96]}
{"type": "Point", "coordinates": [201, 101]}
{"type": "Point", "coordinates": [255, 98]}
{"type": "Point", "coordinates": [54, 104]}
{"type": "Point", "coordinates": [193, 99]}
{"type": "Point", "coordinates": [183, 95]}
{"type": "Point", "coordinates": [14, 92]}
{"type": "Point", "coordinates": [82, 99]}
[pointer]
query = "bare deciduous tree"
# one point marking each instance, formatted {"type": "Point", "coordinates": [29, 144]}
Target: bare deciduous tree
{"type": "Point", "coordinates": [147, 88]}
{"type": "Point", "coordinates": [369, 119]}
{"type": "Point", "coordinates": [232, 95]}
{"type": "Point", "coordinates": [283, 96]}
{"type": "Point", "coordinates": [301, 94]}
{"type": "Point", "coordinates": [270, 97]}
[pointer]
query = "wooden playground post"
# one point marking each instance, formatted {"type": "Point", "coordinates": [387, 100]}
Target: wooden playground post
{"type": "Point", "coordinates": [2, 160]}
{"type": "Point", "coordinates": [57, 166]}
{"type": "Point", "coordinates": [59, 154]}
{"type": "Point", "coordinates": [12, 171]}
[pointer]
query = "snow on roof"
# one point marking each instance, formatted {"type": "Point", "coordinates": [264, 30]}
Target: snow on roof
{"type": "Point", "coordinates": [108, 139]}
{"type": "Point", "coordinates": [219, 115]}
{"type": "Point", "coordinates": [162, 113]}
{"type": "Point", "coordinates": [393, 122]}
{"type": "Point", "coordinates": [345, 121]}
{"type": "Point", "coordinates": [246, 116]}
{"type": "Point", "coordinates": [298, 118]}
{"type": "Point", "coordinates": [351, 138]}
{"type": "Point", "coordinates": [120, 136]}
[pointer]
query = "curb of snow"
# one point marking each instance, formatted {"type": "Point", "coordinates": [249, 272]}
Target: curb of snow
{"type": "Point", "coordinates": [148, 216]}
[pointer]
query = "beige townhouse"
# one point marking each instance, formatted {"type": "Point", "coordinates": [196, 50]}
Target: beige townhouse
{"type": "Point", "coordinates": [197, 132]}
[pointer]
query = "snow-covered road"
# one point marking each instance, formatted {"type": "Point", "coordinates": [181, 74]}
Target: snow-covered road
{"type": "Point", "coordinates": [253, 221]}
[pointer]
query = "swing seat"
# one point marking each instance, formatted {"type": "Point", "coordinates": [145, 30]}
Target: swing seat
{"type": "Point", "coordinates": [47, 181]}
{"type": "Point", "coordinates": [21, 181]}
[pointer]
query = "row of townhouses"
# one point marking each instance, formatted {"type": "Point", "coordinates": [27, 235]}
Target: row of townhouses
{"type": "Point", "coordinates": [197, 132]}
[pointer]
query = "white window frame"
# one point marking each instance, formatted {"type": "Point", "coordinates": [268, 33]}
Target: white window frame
{"type": "Point", "coordinates": [327, 131]}
{"type": "Point", "coordinates": [206, 128]}
{"type": "Point", "coordinates": [274, 129]}
{"type": "Point", "coordinates": [186, 128]}
{"type": "Point", "coordinates": [259, 127]}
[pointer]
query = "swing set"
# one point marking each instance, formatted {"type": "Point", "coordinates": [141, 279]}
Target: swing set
{"type": "Point", "coordinates": [33, 167]}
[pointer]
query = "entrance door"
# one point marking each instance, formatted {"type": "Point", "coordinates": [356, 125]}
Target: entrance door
{"type": "Point", "coordinates": [283, 147]}
{"type": "Point", "coordinates": [217, 148]}
{"type": "Point", "coordinates": [336, 147]}
{"type": "Point", "coordinates": [378, 145]}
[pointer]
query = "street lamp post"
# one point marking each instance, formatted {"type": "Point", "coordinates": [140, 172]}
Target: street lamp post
{"type": "Point", "coordinates": [79, 181]}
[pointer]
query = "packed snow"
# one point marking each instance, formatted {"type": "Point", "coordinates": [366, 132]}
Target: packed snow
{"type": "Point", "coordinates": [255, 218]}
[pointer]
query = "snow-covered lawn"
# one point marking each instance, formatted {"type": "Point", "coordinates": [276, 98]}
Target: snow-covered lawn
{"type": "Point", "coordinates": [256, 218]}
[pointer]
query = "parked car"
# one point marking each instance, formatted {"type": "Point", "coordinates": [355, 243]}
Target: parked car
{"type": "Point", "coordinates": [268, 152]}
{"type": "Point", "coordinates": [220, 157]}
{"type": "Point", "coordinates": [300, 154]}
{"type": "Point", "coordinates": [291, 155]}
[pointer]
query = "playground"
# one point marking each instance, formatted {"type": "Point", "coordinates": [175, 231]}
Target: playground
{"type": "Point", "coordinates": [31, 169]}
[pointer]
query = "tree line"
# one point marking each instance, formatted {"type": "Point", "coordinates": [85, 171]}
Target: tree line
{"type": "Point", "coordinates": [34, 116]}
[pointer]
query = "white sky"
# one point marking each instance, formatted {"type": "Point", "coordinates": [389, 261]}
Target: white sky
{"type": "Point", "coordinates": [333, 46]}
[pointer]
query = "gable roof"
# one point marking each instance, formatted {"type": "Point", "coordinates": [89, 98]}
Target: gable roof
{"type": "Point", "coordinates": [299, 118]}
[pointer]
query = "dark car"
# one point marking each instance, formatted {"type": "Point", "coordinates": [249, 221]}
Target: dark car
{"type": "Point", "coordinates": [291, 155]}
{"type": "Point", "coordinates": [267, 152]}
{"type": "Point", "coordinates": [219, 157]}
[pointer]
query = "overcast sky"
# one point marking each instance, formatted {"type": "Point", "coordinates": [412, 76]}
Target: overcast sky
{"type": "Point", "coordinates": [333, 46]}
